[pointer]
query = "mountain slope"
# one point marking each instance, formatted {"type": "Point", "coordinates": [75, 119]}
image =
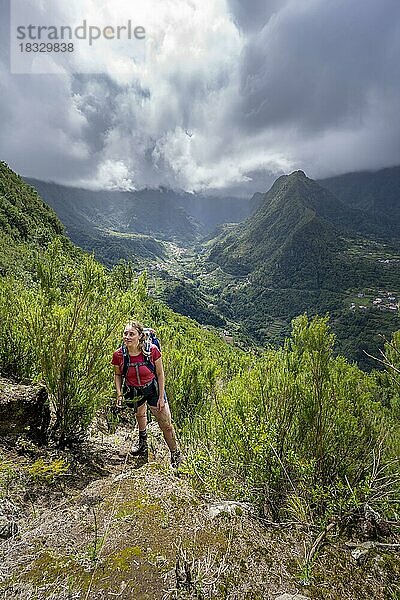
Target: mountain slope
{"type": "Point", "coordinates": [95, 219]}
{"type": "Point", "coordinates": [100, 523]}
{"type": "Point", "coordinates": [375, 191]}
{"type": "Point", "coordinates": [294, 204]}
{"type": "Point", "coordinates": [304, 249]}
{"type": "Point", "coordinates": [288, 218]}
{"type": "Point", "coordinates": [27, 224]}
{"type": "Point", "coordinates": [120, 225]}
{"type": "Point", "coordinates": [149, 212]}
{"type": "Point", "coordinates": [23, 214]}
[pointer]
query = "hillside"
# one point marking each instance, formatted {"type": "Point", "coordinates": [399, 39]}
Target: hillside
{"type": "Point", "coordinates": [147, 212]}
{"type": "Point", "coordinates": [305, 250]}
{"type": "Point", "coordinates": [289, 485]}
{"type": "Point", "coordinates": [27, 224]}
{"type": "Point", "coordinates": [23, 213]}
{"type": "Point", "coordinates": [135, 531]}
{"type": "Point", "coordinates": [119, 225]}
{"type": "Point", "coordinates": [126, 225]}
{"type": "Point", "coordinates": [378, 192]}
{"type": "Point", "coordinates": [294, 210]}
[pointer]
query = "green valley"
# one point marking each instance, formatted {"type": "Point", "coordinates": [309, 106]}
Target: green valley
{"type": "Point", "coordinates": [302, 248]}
{"type": "Point", "coordinates": [295, 437]}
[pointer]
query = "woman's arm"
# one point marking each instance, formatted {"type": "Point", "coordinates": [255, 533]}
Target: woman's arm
{"type": "Point", "coordinates": [161, 383]}
{"type": "Point", "coordinates": [118, 384]}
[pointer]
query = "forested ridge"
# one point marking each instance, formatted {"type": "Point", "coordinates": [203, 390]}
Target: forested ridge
{"type": "Point", "coordinates": [328, 246]}
{"type": "Point", "coordinates": [27, 225]}
{"type": "Point", "coordinates": [304, 249]}
{"type": "Point", "coordinates": [300, 434]}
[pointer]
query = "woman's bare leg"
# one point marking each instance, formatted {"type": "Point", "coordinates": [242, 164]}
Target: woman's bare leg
{"type": "Point", "coordinates": [163, 418]}
{"type": "Point", "coordinates": [141, 417]}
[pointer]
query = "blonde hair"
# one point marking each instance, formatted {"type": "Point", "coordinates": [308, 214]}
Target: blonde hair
{"type": "Point", "coordinates": [140, 329]}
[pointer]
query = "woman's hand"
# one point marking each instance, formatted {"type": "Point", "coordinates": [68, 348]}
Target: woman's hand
{"type": "Point", "coordinates": [161, 404]}
{"type": "Point", "coordinates": [118, 385]}
{"type": "Point", "coordinates": [161, 380]}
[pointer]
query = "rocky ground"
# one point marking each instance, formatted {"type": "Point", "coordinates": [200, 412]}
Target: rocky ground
{"type": "Point", "coordinates": [95, 524]}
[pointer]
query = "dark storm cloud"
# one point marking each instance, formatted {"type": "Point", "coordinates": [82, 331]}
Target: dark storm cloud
{"type": "Point", "coordinates": [99, 99]}
{"type": "Point", "coordinates": [319, 64]}
{"type": "Point", "coordinates": [42, 134]}
{"type": "Point", "coordinates": [39, 122]}
{"type": "Point", "coordinates": [252, 15]}
{"type": "Point", "coordinates": [230, 97]}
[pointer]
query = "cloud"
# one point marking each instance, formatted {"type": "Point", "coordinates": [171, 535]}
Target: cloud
{"type": "Point", "coordinates": [43, 132]}
{"type": "Point", "coordinates": [230, 92]}
{"type": "Point", "coordinates": [316, 64]}
{"type": "Point", "coordinates": [113, 174]}
{"type": "Point", "coordinates": [185, 85]}
{"type": "Point", "coordinates": [322, 75]}
{"type": "Point", "coordinates": [252, 15]}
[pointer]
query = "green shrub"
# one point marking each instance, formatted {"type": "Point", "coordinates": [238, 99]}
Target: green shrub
{"type": "Point", "coordinates": [73, 322]}
{"type": "Point", "coordinates": [15, 345]}
{"type": "Point", "coordinates": [296, 434]}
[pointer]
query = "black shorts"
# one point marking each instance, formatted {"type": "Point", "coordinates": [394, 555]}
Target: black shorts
{"type": "Point", "coordinates": [136, 396]}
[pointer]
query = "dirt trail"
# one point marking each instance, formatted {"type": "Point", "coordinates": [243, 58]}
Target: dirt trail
{"type": "Point", "coordinates": [123, 529]}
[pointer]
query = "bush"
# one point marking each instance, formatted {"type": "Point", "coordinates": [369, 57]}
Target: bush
{"type": "Point", "coordinates": [62, 332]}
{"type": "Point", "coordinates": [296, 433]}
{"type": "Point", "coordinates": [15, 345]}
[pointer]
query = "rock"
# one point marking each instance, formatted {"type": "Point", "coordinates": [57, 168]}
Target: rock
{"type": "Point", "coordinates": [24, 410]}
{"type": "Point", "coordinates": [8, 528]}
{"type": "Point", "coordinates": [228, 507]}
{"type": "Point", "coordinates": [360, 552]}
{"type": "Point", "coordinates": [291, 597]}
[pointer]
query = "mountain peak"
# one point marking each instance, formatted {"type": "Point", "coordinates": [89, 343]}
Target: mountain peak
{"type": "Point", "coordinates": [298, 175]}
{"type": "Point", "coordinates": [284, 180]}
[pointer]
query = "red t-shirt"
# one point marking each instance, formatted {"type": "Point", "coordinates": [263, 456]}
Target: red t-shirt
{"type": "Point", "coordinates": [145, 375]}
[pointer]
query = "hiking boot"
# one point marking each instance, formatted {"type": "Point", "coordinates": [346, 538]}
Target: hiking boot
{"type": "Point", "coordinates": [176, 458]}
{"type": "Point", "coordinates": [140, 449]}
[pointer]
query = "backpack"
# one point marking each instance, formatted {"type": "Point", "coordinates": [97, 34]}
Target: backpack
{"type": "Point", "coordinates": [150, 338]}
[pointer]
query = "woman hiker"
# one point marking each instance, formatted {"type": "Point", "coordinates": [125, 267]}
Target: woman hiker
{"type": "Point", "coordinates": [143, 386]}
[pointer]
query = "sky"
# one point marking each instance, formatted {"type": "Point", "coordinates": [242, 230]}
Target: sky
{"type": "Point", "coordinates": [228, 95]}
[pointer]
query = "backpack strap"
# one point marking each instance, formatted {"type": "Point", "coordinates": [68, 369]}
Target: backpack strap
{"type": "Point", "coordinates": [149, 364]}
{"type": "Point", "coordinates": [146, 363]}
{"type": "Point", "coordinates": [125, 355]}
